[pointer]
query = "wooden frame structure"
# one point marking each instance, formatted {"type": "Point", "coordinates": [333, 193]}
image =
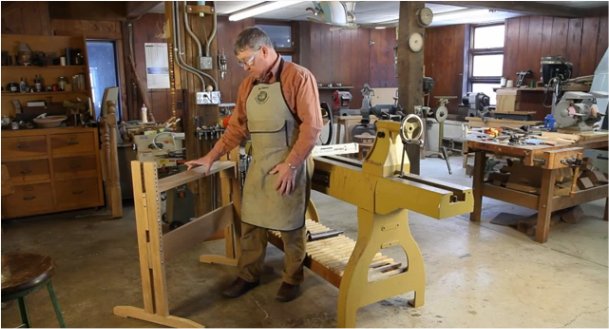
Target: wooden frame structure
{"type": "Point", "coordinates": [156, 248]}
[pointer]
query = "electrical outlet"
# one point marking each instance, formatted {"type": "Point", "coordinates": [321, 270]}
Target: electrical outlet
{"type": "Point", "coordinates": [208, 97]}
{"type": "Point", "coordinates": [206, 63]}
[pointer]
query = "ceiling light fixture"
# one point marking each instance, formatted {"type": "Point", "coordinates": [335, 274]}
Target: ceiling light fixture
{"type": "Point", "coordinates": [459, 14]}
{"type": "Point", "coordinates": [264, 8]}
{"type": "Point", "coordinates": [240, 6]}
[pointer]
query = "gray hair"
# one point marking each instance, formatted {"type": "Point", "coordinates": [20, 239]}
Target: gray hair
{"type": "Point", "coordinates": [252, 38]}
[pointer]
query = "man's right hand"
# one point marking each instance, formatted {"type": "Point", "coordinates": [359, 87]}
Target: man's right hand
{"type": "Point", "coordinates": [207, 161]}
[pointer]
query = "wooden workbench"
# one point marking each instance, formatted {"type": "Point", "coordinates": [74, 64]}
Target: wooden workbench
{"type": "Point", "coordinates": [547, 156]}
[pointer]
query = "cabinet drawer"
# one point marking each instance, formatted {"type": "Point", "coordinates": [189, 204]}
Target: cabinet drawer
{"type": "Point", "coordinates": [77, 193]}
{"type": "Point", "coordinates": [65, 144]}
{"type": "Point", "coordinates": [75, 167]}
{"type": "Point", "coordinates": [28, 200]}
{"type": "Point", "coordinates": [24, 147]}
{"type": "Point", "coordinates": [29, 171]}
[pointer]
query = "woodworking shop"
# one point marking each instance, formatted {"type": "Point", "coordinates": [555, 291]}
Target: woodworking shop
{"type": "Point", "coordinates": [310, 163]}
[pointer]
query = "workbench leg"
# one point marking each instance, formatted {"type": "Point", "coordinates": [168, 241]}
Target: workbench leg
{"type": "Point", "coordinates": [477, 185]}
{"type": "Point", "coordinates": [544, 208]}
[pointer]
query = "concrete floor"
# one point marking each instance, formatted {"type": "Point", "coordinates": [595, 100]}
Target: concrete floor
{"type": "Point", "coordinates": [478, 275]}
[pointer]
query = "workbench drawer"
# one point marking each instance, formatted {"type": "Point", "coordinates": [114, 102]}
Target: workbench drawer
{"type": "Point", "coordinates": [75, 143]}
{"type": "Point", "coordinates": [75, 167]}
{"type": "Point", "coordinates": [14, 148]}
{"type": "Point", "coordinates": [77, 193]}
{"type": "Point", "coordinates": [28, 200]}
{"type": "Point", "coordinates": [29, 171]}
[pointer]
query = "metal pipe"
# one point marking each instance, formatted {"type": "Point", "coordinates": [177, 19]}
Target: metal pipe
{"type": "Point", "coordinates": [213, 32]}
{"type": "Point", "coordinates": [192, 34]}
{"type": "Point", "coordinates": [178, 46]}
{"type": "Point", "coordinates": [199, 47]}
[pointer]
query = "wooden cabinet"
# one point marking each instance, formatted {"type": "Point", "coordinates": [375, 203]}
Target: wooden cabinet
{"type": "Point", "coordinates": [53, 47]}
{"type": "Point", "coordinates": [51, 170]}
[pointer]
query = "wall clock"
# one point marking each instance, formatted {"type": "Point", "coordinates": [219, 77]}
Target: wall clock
{"type": "Point", "coordinates": [424, 16]}
{"type": "Point", "coordinates": [415, 42]}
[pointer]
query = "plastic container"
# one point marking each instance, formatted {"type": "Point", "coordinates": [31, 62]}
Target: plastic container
{"type": "Point", "coordinates": [144, 114]}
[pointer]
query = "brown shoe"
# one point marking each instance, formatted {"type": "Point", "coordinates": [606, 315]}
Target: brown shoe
{"type": "Point", "coordinates": [239, 287]}
{"type": "Point", "coordinates": [287, 292]}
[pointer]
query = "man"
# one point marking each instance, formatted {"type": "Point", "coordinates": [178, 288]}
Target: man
{"type": "Point", "coordinates": [278, 108]}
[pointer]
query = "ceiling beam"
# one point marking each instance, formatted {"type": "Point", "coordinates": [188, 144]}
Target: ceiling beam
{"type": "Point", "coordinates": [531, 8]}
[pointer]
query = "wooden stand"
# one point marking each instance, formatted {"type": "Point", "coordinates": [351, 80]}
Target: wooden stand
{"type": "Point", "coordinates": [156, 248]}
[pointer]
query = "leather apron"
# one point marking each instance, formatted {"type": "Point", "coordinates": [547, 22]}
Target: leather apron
{"type": "Point", "coordinates": [273, 130]}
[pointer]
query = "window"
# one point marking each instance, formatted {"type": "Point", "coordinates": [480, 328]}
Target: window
{"type": "Point", "coordinates": [486, 59]}
{"type": "Point", "coordinates": [282, 35]}
{"type": "Point", "coordinates": [103, 71]}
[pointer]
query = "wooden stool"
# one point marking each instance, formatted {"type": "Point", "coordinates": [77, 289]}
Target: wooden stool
{"type": "Point", "coordinates": [24, 273]}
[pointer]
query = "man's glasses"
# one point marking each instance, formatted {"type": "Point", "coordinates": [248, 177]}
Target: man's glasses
{"type": "Point", "coordinates": [248, 62]}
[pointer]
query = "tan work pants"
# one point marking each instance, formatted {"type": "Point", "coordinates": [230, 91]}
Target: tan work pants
{"type": "Point", "coordinates": [253, 249]}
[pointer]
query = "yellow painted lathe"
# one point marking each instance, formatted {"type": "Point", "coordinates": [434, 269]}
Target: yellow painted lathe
{"type": "Point", "coordinates": [384, 192]}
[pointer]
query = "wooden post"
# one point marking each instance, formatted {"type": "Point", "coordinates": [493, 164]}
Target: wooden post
{"type": "Point", "coordinates": [410, 70]}
{"type": "Point", "coordinates": [110, 161]}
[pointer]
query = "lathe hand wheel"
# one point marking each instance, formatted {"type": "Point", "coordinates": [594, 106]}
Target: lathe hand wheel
{"type": "Point", "coordinates": [411, 129]}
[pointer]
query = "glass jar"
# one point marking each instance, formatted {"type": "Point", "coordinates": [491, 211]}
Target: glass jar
{"type": "Point", "coordinates": [61, 83]}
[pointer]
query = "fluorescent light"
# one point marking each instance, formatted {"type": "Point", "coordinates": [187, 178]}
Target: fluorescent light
{"type": "Point", "coordinates": [231, 8]}
{"type": "Point", "coordinates": [459, 14]}
{"type": "Point", "coordinates": [265, 8]}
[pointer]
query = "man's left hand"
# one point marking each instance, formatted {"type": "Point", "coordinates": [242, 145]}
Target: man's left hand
{"type": "Point", "coordinates": [286, 179]}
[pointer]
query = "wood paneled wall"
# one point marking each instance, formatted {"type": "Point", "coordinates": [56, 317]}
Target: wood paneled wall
{"type": "Point", "coordinates": [26, 17]}
{"type": "Point", "coordinates": [227, 34]}
{"type": "Point", "coordinates": [349, 56]}
{"type": "Point", "coordinates": [352, 57]}
{"type": "Point", "coordinates": [582, 41]}
{"type": "Point", "coordinates": [444, 62]}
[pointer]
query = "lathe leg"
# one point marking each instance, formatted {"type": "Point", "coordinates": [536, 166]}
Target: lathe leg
{"type": "Point", "coordinates": [376, 232]}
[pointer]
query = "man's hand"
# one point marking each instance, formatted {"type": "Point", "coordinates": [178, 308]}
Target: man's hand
{"type": "Point", "coordinates": [207, 161]}
{"type": "Point", "coordinates": [286, 179]}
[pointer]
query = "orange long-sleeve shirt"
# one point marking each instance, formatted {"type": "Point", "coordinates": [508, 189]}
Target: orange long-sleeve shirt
{"type": "Point", "coordinates": [299, 88]}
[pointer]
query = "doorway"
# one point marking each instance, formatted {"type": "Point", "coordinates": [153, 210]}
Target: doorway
{"type": "Point", "coordinates": [103, 71]}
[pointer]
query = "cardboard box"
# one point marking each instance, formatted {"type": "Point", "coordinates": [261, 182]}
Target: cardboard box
{"type": "Point", "coordinates": [506, 99]}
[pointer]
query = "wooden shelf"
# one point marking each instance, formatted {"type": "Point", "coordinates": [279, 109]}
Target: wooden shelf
{"type": "Point", "coordinates": [48, 67]}
{"type": "Point", "coordinates": [52, 46]}
{"type": "Point", "coordinates": [44, 93]}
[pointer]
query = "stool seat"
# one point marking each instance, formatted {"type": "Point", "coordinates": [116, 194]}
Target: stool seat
{"type": "Point", "coordinates": [22, 272]}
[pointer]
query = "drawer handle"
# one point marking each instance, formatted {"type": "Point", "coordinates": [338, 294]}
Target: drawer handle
{"type": "Point", "coordinates": [72, 141]}
{"type": "Point", "coordinates": [29, 198]}
{"type": "Point", "coordinates": [28, 188]}
{"type": "Point", "coordinates": [22, 146]}
{"type": "Point", "coordinates": [75, 166]}
{"type": "Point", "coordinates": [78, 192]}
{"type": "Point", "coordinates": [25, 171]}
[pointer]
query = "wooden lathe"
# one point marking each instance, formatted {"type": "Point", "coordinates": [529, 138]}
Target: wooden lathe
{"type": "Point", "coordinates": [384, 192]}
